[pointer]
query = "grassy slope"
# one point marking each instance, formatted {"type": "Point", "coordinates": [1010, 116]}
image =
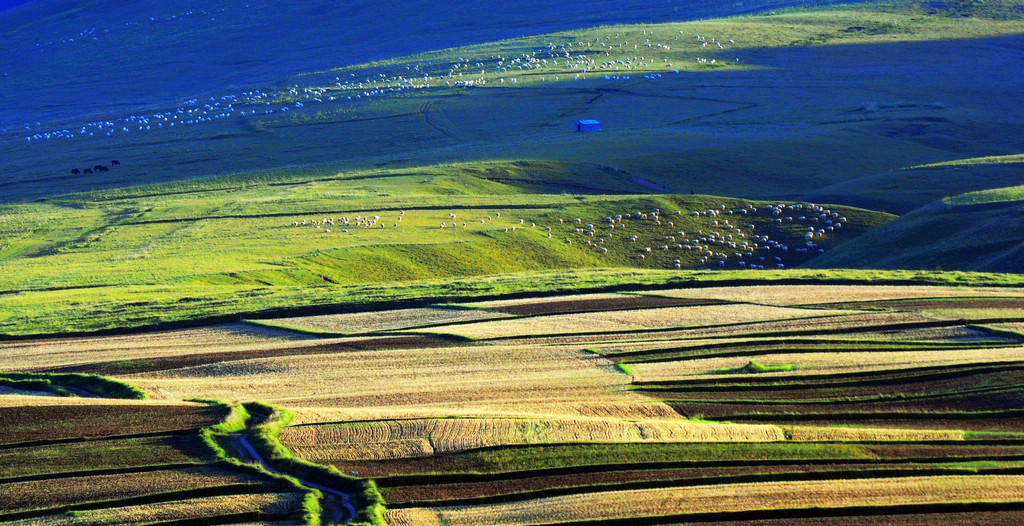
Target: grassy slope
{"type": "Point", "coordinates": [222, 246]}
{"type": "Point", "coordinates": [225, 246]}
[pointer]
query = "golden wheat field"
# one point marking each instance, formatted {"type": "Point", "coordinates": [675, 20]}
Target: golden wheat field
{"type": "Point", "coordinates": [788, 295]}
{"type": "Point", "coordinates": [539, 385]}
{"type": "Point", "coordinates": [57, 492]}
{"type": "Point", "coordinates": [821, 326]}
{"type": "Point", "coordinates": [628, 320]}
{"type": "Point", "coordinates": [519, 302]}
{"type": "Point", "coordinates": [870, 434]}
{"type": "Point", "coordinates": [463, 380]}
{"type": "Point", "coordinates": [407, 438]}
{"type": "Point", "coordinates": [365, 322]}
{"type": "Point", "coordinates": [179, 510]}
{"type": "Point", "coordinates": [831, 362]}
{"type": "Point", "coordinates": [731, 497]}
{"type": "Point", "coordinates": [61, 352]}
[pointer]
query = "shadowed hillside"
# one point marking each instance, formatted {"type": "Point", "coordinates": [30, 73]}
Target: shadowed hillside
{"type": "Point", "coordinates": [67, 58]}
{"type": "Point", "coordinates": [977, 231]}
{"type": "Point", "coordinates": [790, 104]}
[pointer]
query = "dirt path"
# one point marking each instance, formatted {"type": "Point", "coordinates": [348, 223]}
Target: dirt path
{"type": "Point", "coordinates": [337, 507]}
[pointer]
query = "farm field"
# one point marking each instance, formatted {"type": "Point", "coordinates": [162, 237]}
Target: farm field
{"type": "Point", "coordinates": [810, 401]}
{"type": "Point", "coordinates": [97, 460]}
{"type": "Point", "coordinates": [363, 263]}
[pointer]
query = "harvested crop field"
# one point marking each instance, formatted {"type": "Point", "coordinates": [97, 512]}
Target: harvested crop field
{"type": "Point", "coordinates": [42, 494]}
{"type": "Point", "coordinates": [216, 359]}
{"type": "Point", "coordinates": [986, 307]}
{"type": "Point", "coordinates": [415, 438]}
{"type": "Point", "coordinates": [106, 454]}
{"type": "Point", "coordinates": [53, 353]}
{"type": "Point", "coordinates": [514, 461]}
{"type": "Point", "coordinates": [253, 505]}
{"type": "Point", "coordinates": [647, 408]}
{"type": "Point", "coordinates": [821, 362]}
{"type": "Point", "coordinates": [789, 295]}
{"type": "Point", "coordinates": [368, 322]}
{"type": "Point", "coordinates": [586, 303]}
{"type": "Point", "coordinates": [735, 497]}
{"type": "Point", "coordinates": [469, 380]}
{"type": "Point", "coordinates": [868, 434]}
{"type": "Point", "coordinates": [629, 320]}
{"type": "Point", "coordinates": [29, 419]}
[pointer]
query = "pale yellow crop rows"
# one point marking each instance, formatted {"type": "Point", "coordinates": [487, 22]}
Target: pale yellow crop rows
{"type": "Point", "coordinates": [34, 354]}
{"type": "Point", "coordinates": [1009, 326]}
{"type": "Point", "coordinates": [174, 510]}
{"type": "Point", "coordinates": [422, 437]}
{"type": "Point", "coordinates": [976, 314]}
{"type": "Point", "coordinates": [56, 492]}
{"type": "Point", "coordinates": [812, 294]}
{"type": "Point", "coordinates": [818, 326]}
{"type": "Point", "coordinates": [626, 320]}
{"type": "Point", "coordinates": [723, 498]}
{"type": "Point", "coordinates": [498, 304]}
{"type": "Point", "coordinates": [362, 322]}
{"type": "Point", "coordinates": [825, 362]}
{"type": "Point", "coordinates": [872, 434]}
{"type": "Point", "coordinates": [466, 380]}
{"type": "Point", "coordinates": [599, 406]}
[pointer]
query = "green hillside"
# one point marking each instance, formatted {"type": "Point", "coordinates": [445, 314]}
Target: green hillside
{"type": "Point", "coordinates": [753, 122]}
{"type": "Point", "coordinates": [266, 240]}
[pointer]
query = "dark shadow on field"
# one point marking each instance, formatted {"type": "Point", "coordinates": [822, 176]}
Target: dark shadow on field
{"type": "Point", "coordinates": [808, 118]}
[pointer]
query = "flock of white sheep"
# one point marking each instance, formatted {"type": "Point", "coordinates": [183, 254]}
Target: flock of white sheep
{"type": "Point", "coordinates": [578, 60]}
{"type": "Point", "coordinates": [732, 238]}
{"type": "Point", "coordinates": [726, 238]}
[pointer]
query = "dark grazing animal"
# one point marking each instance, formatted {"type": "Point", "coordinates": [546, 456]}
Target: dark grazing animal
{"type": "Point", "coordinates": [75, 171]}
{"type": "Point", "coordinates": [88, 171]}
{"type": "Point", "coordinates": [115, 162]}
